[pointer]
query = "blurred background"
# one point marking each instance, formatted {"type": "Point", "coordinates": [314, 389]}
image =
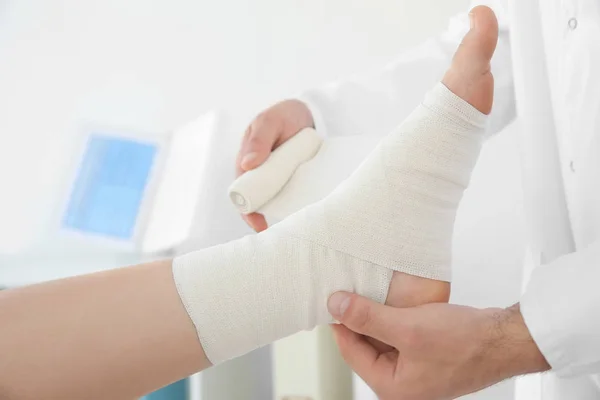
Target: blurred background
{"type": "Point", "coordinates": [165, 90]}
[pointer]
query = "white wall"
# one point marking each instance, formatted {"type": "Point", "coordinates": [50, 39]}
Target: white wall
{"type": "Point", "coordinates": [151, 66]}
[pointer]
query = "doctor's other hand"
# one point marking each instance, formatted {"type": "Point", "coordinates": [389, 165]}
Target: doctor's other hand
{"type": "Point", "coordinates": [268, 130]}
{"type": "Point", "coordinates": [440, 351]}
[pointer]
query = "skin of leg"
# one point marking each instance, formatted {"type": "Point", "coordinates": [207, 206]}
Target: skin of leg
{"type": "Point", "coordinates": [117, 334]}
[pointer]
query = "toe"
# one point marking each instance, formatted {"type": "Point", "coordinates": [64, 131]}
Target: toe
{"type": "Point", "coordinates": [469, 76]}
{"type": "Point", "coordinates": [478, 45]}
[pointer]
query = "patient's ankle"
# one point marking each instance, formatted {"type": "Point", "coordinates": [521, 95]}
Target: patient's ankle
{"type": "Point", "coordinates": [408, 290]}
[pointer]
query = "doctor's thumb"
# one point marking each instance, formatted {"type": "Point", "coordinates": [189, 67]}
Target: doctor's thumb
{"type": "Point", "coordinates": [364, 316]}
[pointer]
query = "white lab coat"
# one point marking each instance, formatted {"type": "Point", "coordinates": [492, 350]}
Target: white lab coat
{"type": "Point", "coordinates": [561, 304]}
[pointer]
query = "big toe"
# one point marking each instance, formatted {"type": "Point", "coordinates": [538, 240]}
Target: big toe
{"type": "Point", "coordinates": [469, 76]}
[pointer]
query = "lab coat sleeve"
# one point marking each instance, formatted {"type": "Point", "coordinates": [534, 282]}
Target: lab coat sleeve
{"type": "Point", "coordinates": [561, 308]}
{"type": "Point", "coordinates": [377, 103]}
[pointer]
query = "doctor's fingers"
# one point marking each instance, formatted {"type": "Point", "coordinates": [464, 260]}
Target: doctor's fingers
{"type": "Point", "coordinates": [270, 129]}
{"type": "Point", "coordinates": [256, 221]}
{"type": "Point", "coordinates": [367, 317]}
{"type": "Point", "coordinates": [258, 142]}
{"type": "Point", "coordinates": [375, 367]}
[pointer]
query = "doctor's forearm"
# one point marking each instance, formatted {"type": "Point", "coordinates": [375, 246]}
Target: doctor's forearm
{"type": "Point", "coordinates": [116, 334]}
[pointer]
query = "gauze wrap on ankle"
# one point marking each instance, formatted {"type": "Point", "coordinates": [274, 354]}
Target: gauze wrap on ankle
{"type": "Point", "coordinates": [395, 212]}
{"type": "Point", "coordinates": [248, 293]}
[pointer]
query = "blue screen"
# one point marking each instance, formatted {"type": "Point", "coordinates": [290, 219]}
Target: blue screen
{"type": "Point", "coordinates": [109, 188]}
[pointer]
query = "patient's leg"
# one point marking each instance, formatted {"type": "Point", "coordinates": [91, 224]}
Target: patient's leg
{"type": "Point", "coordinates": [385, 233]}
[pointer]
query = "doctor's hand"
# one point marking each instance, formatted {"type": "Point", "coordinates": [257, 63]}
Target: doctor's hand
{"type": "Point", "coordinates": [440, 351]}
{"type": "Point", "coordinates": [270, 129]}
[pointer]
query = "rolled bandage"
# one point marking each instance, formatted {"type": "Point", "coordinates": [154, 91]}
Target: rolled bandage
{"type": "Point", "coordinates": [255, 188]}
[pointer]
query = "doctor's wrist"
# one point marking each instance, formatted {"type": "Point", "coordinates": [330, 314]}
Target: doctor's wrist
{"type": "Point", "coordinates": [510, 346]}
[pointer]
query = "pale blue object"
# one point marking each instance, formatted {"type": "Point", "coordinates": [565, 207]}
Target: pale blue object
{"type": "Point", "coordinates": [176, 391]}
{"type": "Point", "coordinates": [107, 194]}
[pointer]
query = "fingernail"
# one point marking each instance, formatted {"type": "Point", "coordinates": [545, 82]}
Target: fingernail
{"type": "Point", "coordinates": [338, 303]}
{"type": "Point", "coordinates": [472, 20]}
{"type": "Point", "coordinates": [248, 158]}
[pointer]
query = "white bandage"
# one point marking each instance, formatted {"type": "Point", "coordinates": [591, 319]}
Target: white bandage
{"type": "Point", "coordinates": [252, 190]}
{"type": "Point", "coordinates": [337, 159]}
{"type": "Point", "coordinates": [396, 212]}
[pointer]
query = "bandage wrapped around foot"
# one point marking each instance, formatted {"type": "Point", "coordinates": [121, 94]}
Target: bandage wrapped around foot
{"type": "Point", "coordinates": [395, 212]}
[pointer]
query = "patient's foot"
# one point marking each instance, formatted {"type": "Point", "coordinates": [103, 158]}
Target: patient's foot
{"type": "Point", "coordinates": [470, 78]}
{"type": "Point", "coordinates": [384, 231]}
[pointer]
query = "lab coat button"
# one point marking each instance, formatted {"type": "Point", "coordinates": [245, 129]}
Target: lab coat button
{"type": "Point", "coordinates": [573, 24]}
{"type": "Point", "coordinates": [572, 166]}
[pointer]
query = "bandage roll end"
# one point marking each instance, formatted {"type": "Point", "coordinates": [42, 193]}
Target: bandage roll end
{"type": "Point", "coordinates": [252, 190]}
{"type": "Point", "coordinates": [243, 205]}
